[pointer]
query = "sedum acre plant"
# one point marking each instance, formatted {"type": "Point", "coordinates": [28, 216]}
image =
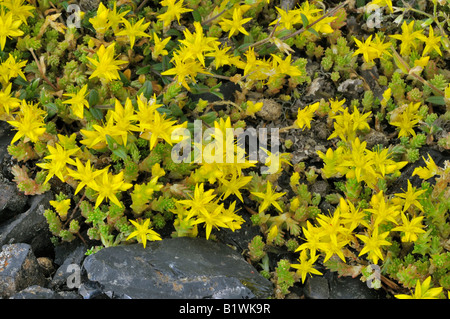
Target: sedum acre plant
{"type": "Point", "coordinates": [123, 114]}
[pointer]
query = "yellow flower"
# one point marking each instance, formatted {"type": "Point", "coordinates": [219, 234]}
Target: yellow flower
{"type": "Point", "coordinates": [108, 185]}
{"type": "Point", "coordinates": [284, 66]}
{"type": "Point", "coordinates": [100, 21]}
{"type": "Point", "coordinates": [431, 42]}
{"type": "Point", "coordinates": [146, 109]}
{"type": "Point", "coordinates": [158, 128]}
{"type": "Point", "coordinates": [11, 69]}
{"type": "Point", "coordinates": [422, 291]}
{"type": "Point", "coordinates": [305, 116]}
{"type": "Point", "coordinates": [410, 197]}
{"type": "Point", "coordinates": [287, 18]}
{"type": "Point", "coordinates": [9, 27]}
{"type": "Point", "coordinates": [383, 211]}
{"type": "Point", "coordinates": [332, 160]}
{"type": "Point", "coordinates": [143, 232]}
{"type": "Point", "coordinates": [313, 14]}
{"type": "Point", "coordinates": [124, 119]}
{"type": "Point", "coordinates": [159, 48]}
{"type": "Point", "coordinates": [373, 245]}
{"type": "Point", "coordinates": [78, 101]}
{"type": "Point", "coordinates": [59, 157]}
{"type": "Point", "coordinates": [233, 185]}
{"type": "Point", "coordinates": [381, 47]}
{"type": "Point", "coordinates": [61, 207]}
{"type": "Point", "coordinates": [183, 70]}
{"type": "Point", "coordinates": [272, 234]}
{"type": "Point", "coordinates": [106, 67]}
{"type": "Point", "coordinates": [367, 49]}
{"type": "Point", "coordinates": [252, 108]}
{"type": "Point", "coordinates": [220, 55]}
{"type": "Point", "coordinates": [313, 237]}
{"type": "Point", "coordinates": [410, 228]}
{"type": "Point", "coordinates": [236, 24]}
{"type": "Point", "coordinates": [422, 62]}
{"type": "Point", "coordinates": [198, 203]}
{"type": "Point", "coordinates": [334, 246]}
{"type": "Point", "coordinates": [134, 30]}
{"type": "Point", "coordinates": [29, 122]}
{"type": "Point", "coordinates": [18, 9]}
{"type": "Point", "coordinates": [85, 174]}
{"type": "Point", "coordinates": [7, 101]}
{"type": "Point", "coordinates": [427, 172]}
{"type": "Point", "coordinates": [214, 219]}
{"type": "Point", "coordinates": [269, 198]}
{"type": "Point", "coordinates": [406, 120]}
{"type": "Point", "coordinates": [386, 96]}
{"type": "Point", "coordinates": [174, 10]}
{"type": "Point", "coordinates": [383, 3]}
{"type": "Point", "coordinates": [114, 18]}
{"type": "Point", "coordinates": [96, 138]}
{"type": "Point", "coordinates": [408, 37]}
{"type": "Point", "coordinates": [306, 266]}
{"type": "Point", "coordinates": [236, 220]}
{"type": "Point", "coordinates": [195, 44]}
{"type": "Point", "coordinates": [352, 217]}
{"type": "Point", "coordinates": [336, 106]}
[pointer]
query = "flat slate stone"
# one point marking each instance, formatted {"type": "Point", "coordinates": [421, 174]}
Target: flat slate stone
{"type": "Point", "coordinates": [175, 268]}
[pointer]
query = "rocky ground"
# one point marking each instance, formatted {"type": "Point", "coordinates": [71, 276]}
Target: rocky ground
{"type": "Point", "coordinates": [31, 267]}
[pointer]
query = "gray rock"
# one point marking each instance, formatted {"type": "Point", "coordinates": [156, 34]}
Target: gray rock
{"type": "Point", "coordinates": [30, 227]}
{"type": "Point", "coordinates": [175, 268]}
{"type": "Point", "coordinates": [331, 286]}
{"type": "Point", "coordinates": [63, 272]}
{"type": "Point", "coordinates": [6, 136]}
{"type": "Point", "coordinates": [375, 137]}
{"type": "Point", "coordinates": [36, 292]}
{"type": "Point", "coordinates": [316, 287]}
{"type": "Point", "coordinates": [350, 288]}
{"type": "Point", "coordinates": [69, 295]}
{"type": "Point", "coordinates": [351, 88]}
{"type": "Point", "coordinates": [12, 202]}
{"type": "Point", "coordinates": [19, 269]}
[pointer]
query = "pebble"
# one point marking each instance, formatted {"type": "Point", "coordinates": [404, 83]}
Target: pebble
{"type": "Point", "coordinates": [270, 111]}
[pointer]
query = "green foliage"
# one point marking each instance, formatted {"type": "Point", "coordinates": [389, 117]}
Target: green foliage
{"type": "Point", "coordinates": [256, 248]}
{"type": "Point", "coordinates": [284, 279]}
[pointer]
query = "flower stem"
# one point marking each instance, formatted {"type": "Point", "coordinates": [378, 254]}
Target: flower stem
{"type": "Point", "coordinates": [414, 74]}
{"type": "Point", "coordinates": [41, 71]}
{"type": "Point", "coordinates": [266, 40]}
